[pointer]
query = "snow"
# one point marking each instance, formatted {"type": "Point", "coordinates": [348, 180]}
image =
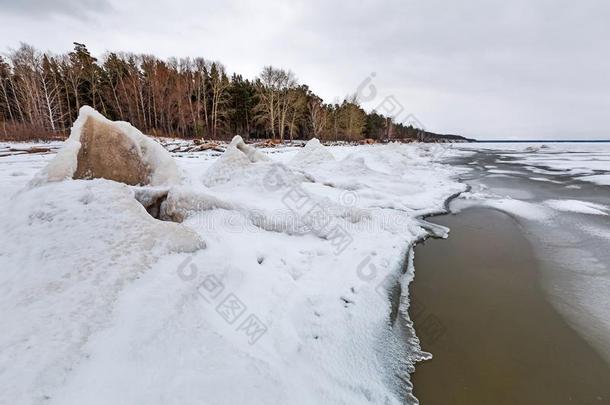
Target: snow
{"type": "Point", "coordinates": [583, 207]}
{"type": "Point", "coordinates": [529, 210]}
{"type": "Point", "coordinates": [514, 207]}
{"type": "Point", "coordinates": [544, 179]}
{"type": "Point", "coordinates": [16, 170]}
{"type": "Point", "coordinates": [312, 153]}
{"type": "Point", "coordinates": [498, 171]}
{"type": "Point", "coordinates": [601, 179]}
{"type": "Point", "coordinates": [67, 250]}
{"type": "Point", "coordinates": [589, 160]}
{"type": "Point", "coordinates": [251, 153]}
{"type": "Point", "coordinates": [63, 166]}
{"type": "Point", "coordinates": [234, 164]}
{"type": "Point", "coordinates": [104, 304]}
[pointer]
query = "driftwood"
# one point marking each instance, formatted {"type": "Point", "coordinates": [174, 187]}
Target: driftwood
{"type": "Point", "coordinates": [208, 146]}
{"type": "Point", "coordinates": [10, 151]}
{"type": "Point", "coordinates": [198, 145]}
{"type": "Point", "coordinates": [268, 143]}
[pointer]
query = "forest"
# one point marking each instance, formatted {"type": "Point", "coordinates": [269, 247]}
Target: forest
{"type": "Point", "coordinates": [41, 93]}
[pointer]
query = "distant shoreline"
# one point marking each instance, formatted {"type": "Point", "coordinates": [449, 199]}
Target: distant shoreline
{"type": "Point", "coordinates": [542, 141]}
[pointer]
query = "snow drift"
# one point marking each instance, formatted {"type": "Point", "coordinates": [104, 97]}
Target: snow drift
{"type": "Point", "coordinates": [234, 162]}
{"type": "Point", "coordinates": [67, 251]}
{"type": "Point", "coordinates": [312, 153]}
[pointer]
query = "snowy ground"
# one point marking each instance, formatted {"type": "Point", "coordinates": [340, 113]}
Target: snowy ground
{"type": "Point", "coordinates": [286, 283]}
{"type": "Point", "coordinates": [287, 280]}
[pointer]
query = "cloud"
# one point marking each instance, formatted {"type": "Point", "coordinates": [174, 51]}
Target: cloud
{"type": "Point", "coordinates": [486, 68]}
{"type": "Point", "coordinates": [43, 8]}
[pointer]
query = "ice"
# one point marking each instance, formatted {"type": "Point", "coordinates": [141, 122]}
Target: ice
{"type": "Point", "coordinates": [233, 163]}
{"type": "Point", "coordinates": [583, 207]}
{"type": "Point", "coordinates": [601, 179]}
{"type": "Point", "coordinates": [163, 169]}
{"type": "Point", "coordinates": [515, 207]}
{"type": "Point", "coordinates": [251, 153]}
{"type": "Point", "coordinates": [544, 179]}
{"type": "Point", "coordinates": [312, 153]}
{"type": "Point", "coordinates": [498, 171]}
{"type": "Point", "coordinates": [589, 160]}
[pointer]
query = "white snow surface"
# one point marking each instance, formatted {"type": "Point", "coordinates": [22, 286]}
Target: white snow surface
{"type": "Point", "coordinates": [590, 161]}
{"type": "Point", "coordinates": [254, 298]}
{"type": "Point", "coordinates": [68, 249]}
{"type": "Point", "coordinates": [63, 166]}
{"type": "Point", "coordinates": [512, 206]}
{"type": "Point", "coordinates": [583, 207]}
{"type": "Point", "coordinates": [601, 179]}
{"type": "Point", "coordinates": [312, 153]}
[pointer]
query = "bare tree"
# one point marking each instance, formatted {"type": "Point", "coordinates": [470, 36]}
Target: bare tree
{"type": "Point", "coordinates": [219, 84]}
{"type": "Point", "coordinates": [274, 86]}
{"type": "Point", "coordinates": [42, 93]}
{"type": "Point", "coordinates": [317, 115]}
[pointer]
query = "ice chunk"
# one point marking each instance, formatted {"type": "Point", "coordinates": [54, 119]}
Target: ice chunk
{"type": "Point", "coordinates": [114, 150]}
{"type": "Point", "coordinates": [231, 162]}
{"type": "Point", "coordinates": [181, 203]}
{"type": "Point", "coordinates": [251, 153]}
{"type": "Point", "coordinates": [237, 157]}
{"type": "Point", "coordinates": [313, 152]}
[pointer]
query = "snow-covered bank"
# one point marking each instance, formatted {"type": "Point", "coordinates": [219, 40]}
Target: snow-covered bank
{"type": "Point", "coordinates": [275, 288]}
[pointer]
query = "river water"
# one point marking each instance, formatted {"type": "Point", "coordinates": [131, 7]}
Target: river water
{"type": "Point", "coordinates": [515, 306]}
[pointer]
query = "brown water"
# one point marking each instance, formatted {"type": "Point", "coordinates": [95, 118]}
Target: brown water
{"type": "Point", "coordinates": [478, 308]}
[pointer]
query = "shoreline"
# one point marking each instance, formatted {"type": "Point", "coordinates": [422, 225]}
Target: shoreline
{"type": "Point", "coordinates": [401, 303]}
{"type": "Point", "coordinates": [477, 358]}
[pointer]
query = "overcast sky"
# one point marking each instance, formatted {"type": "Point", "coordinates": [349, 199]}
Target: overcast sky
{"type": "Point", "coordinates": [482, 68]}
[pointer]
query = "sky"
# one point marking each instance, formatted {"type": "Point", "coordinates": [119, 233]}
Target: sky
{"type": "Point", "coordinates": [519, 69]}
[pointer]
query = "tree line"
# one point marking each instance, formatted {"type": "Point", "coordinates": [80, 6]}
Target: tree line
{"type": "Point", "coordinates": [41, 93]}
